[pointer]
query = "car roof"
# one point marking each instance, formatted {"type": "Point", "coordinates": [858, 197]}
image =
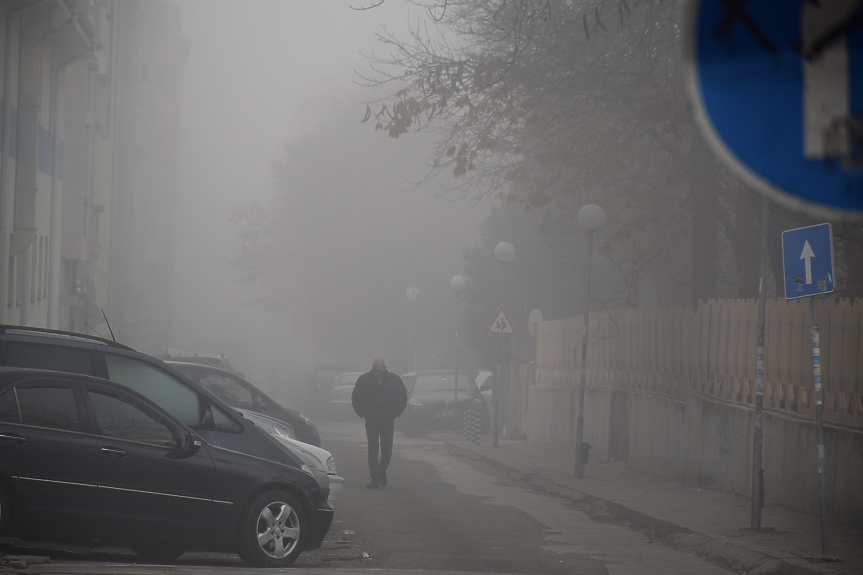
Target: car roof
{"type": "Point", "coordinates": [55, 333]}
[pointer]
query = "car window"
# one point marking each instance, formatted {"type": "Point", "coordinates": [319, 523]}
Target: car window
{"type": "Point", "coordinates": [122, 419]}
{"type": "Point", "coordinates": [441, 382]}
{"type": "Point", "coordinates": [49, 405]}
{"type": "Point", "coordinates": [348, 379]}
{"type": "Point", "coordinates": [227, 389]}
{"type": "Point", "coordinates": [158, 386]}
{"type": "Point", "coordinates": [224, 422]}
{"type": "Point", "coordinates": [9, 408]}
{"type": "Point", "coordinates": [54, 357]}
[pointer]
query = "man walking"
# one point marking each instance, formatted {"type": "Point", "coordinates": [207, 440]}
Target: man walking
{"type": "Point", "coordinates": [379, 397]}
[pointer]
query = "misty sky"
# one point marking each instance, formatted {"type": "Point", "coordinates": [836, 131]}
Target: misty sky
{"type": "Point", "coordinates": [265, 72]}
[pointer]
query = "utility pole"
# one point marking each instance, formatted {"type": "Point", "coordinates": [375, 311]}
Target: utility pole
{"type": "Point", "coordinates": [758, 436]}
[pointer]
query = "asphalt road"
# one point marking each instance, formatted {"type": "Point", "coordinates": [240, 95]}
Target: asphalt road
{"type": "Point", "coordinates": [438, 513]}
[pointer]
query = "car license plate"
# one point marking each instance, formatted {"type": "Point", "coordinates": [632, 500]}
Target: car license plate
{"type": "Point", "coordinates": [447, 414]}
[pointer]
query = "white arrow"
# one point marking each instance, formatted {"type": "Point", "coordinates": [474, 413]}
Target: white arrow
{"type": "Point", "coordinates": [807, 254]}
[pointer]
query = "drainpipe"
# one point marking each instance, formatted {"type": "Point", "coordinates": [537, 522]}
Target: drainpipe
{"type": "Point", "coordinates": [7, 169]}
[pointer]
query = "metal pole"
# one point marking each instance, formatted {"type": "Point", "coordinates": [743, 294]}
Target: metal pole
{"type": "Point", "coordinates": [457, 318]}
{"type": "Point", "coordinates": [579, 424]}
{"type": "Point", "coordinates": [819, 423]}
{"type": "Point", "coordinates": [498, 380]}
{"type": "Point", "coordinates": [495, 392]}
{"type": "Point", "coordinates": [411, 338]}
{"type": "Point", "coordinates": [758, 436]}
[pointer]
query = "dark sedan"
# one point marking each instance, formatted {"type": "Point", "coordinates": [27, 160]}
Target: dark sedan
{"type": "Point", "coordinates": [434, 402]}
{"type": "Point", "coordinates": [240, 394]}
{"type": "Point", "coordinates": [84, 459]}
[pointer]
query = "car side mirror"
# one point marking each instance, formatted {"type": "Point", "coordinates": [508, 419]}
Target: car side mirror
{"type": "Point", "coordinates": [191, 444]}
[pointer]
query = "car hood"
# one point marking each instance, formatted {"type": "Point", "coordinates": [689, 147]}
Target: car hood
{"type": "Point", "coordinates": [268, 424]}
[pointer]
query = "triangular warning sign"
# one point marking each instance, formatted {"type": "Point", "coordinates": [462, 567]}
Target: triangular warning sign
{"type": "Point", "coordinates": [500, 324]}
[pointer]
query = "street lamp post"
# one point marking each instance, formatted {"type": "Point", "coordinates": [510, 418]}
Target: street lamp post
{"type": "Point", "coordinates": [591, 218]}
{"type": "Point", "coordinates": [458, 285]}
{"type": "Point", "coordinates": [412, 294]}
{"type": "Point", "coordinates": [504, 253]}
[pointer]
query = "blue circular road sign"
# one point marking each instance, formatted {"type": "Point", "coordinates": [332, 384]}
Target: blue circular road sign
{"type": "Point", "coordinates": [777, 91]}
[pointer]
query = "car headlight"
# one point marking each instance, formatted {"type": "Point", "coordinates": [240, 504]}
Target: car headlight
{"type": "Point", "coordinates": [416, 403]}
{"type": "Point", "coordinates": [331, 466]}
{"type": "Point", "coordinates": [314, 459]}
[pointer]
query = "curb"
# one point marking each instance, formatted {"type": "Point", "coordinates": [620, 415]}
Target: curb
{"type": "Point", "coordinates": [736, 557]}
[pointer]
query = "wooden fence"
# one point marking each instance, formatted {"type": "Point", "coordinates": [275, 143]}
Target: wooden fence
{"type": "Point", "coordinates": [712, 350]}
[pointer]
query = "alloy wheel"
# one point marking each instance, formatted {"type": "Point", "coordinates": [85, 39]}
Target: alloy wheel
{"type": "Point", "coordinates": [278, 529]}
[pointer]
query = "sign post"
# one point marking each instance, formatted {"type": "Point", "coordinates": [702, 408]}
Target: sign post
{"type": "Point", "coordinates": [807, 258]}
{"type": "Point", "coordinates": [500, 325]}
{"type": "Point", "coordinates": [757, 499]}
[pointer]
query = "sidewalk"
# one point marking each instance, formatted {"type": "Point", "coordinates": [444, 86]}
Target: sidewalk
{"type": "Point", "coordinates": [700, 520]}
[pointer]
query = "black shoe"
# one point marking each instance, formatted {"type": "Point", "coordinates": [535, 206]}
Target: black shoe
{"type": "Point", "coordinates": [382, 477]}
{"type": "Point", "coordinates": [373, 485]}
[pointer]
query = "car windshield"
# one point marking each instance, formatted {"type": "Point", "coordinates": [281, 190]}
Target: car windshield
{"type": "Point", "coordinates": [227, 389]}
{"type": "Point", "coordinates": [349, 379]}
{"type": "Point", "coordinates": [441, 382]}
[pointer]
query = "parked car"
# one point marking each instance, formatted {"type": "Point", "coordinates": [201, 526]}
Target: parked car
{"type": "Point", "coordinates": [240, 394]}
{"type": "Point", "coordinates": [485, 382]}
{"type": "Point", "coordinates": [340, 394]}
{"type": "Point", "coordinates": [200, 410]}
{"type": "Point", "coordinates": [434, 404]}
{"type": "Point", "coordinates": [321, 461]}
{"type": "Point", "coordinates": [320, 383]}
{"type": "Point", "coordinates": [84, 459]}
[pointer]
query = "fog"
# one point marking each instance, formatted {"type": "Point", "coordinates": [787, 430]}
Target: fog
{"type": "Point", "coordinates": [268, 82]}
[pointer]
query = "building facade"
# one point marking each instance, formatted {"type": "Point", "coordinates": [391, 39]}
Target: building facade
{"type": "Point", "coordinates": [88, 168]}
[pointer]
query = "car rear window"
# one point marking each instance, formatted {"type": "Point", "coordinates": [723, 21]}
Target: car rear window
{"type": "Point", "coordinates": [49, 406]}
{"type": "Point", "coordinates": [443, 382]}
{"type": "Point", "coordinates": [54, 357]}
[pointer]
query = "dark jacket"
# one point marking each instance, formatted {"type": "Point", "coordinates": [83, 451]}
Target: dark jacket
{"type": "Point", "coordinates": [379, 402]}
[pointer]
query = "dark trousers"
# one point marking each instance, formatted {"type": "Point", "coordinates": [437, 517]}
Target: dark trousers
{"type": "Point", "coordinates": [379, 434]}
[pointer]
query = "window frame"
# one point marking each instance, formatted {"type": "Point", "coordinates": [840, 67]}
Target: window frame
{"type": "Point", "coordinates": [86, 427]}
{"type": "Point", "coordinates": [123, 395]}
{"type": "Point", "coordinates": [98, 368]}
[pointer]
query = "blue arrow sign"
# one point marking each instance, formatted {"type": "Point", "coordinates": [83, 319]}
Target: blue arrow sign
{"type": "Point", "coordinates": [777, 90]}
{"type": "Point", "coordinates": [807, 259]}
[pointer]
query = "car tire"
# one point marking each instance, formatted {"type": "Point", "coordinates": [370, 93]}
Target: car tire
{"type": "Point", "coordinates": [273, 530]}
{"type": "Point", "coordinates": [158, 552]}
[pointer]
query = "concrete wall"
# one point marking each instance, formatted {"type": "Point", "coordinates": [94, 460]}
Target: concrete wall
{"type": "Point", "coordinates": [604, 419]}
{"type": "Point", "coordinates": [548, 415]}
{"type": "Point", "coordinates": [707, 442]}
{"type": "Point", "coordinates": [790, 474]}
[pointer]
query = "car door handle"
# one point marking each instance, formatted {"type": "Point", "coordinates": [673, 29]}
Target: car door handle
{"type": "Point", "coordinates": [12, 437]}
{"type": "Point", "coordinates": [114, 451]}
